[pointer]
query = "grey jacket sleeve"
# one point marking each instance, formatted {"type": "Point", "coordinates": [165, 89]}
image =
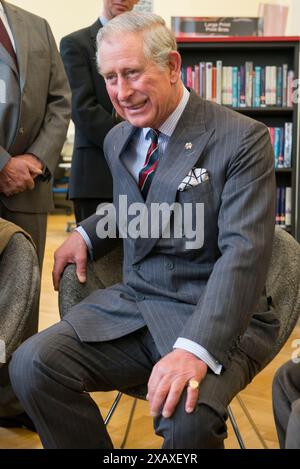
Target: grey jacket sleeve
{"type": "Point", "coordinates": [246, 227]}
{"type": "Point", "coordinates": [49, 141]}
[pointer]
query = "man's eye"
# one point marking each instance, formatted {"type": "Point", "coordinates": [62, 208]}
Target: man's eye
{"type": "Point", "coordinates": [110, 78]}
{"type": "Point", "coordinates": [132, 73]}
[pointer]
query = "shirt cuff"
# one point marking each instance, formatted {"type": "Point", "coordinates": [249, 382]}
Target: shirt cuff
{"type": "Point", "coordinates": [87, 240]}
{"type": "Point", "coordinates": [200, 352]}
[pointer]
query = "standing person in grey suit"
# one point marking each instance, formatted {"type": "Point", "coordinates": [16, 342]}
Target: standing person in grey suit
{"type": "Point", "coordinates": [34, 115]}
{"type": "Point", "coordinates": [286, 404]}
{"type": "Point", "coordinates": [92, 112]}
{"type": "Point", "coordinates": [190, 319]}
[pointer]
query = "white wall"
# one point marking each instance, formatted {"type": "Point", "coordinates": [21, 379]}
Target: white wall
{"type": "Point", "coordinates": [66, 16]}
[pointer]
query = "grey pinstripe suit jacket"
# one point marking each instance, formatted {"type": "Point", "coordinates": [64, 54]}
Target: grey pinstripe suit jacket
{"type": "Point", "coordinates": [212, 295]}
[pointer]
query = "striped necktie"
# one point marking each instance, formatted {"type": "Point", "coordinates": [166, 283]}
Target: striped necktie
{"type": "Point", "coordinates": [147, 172]}
{"type": "Point", "coordinates": [6, 42]}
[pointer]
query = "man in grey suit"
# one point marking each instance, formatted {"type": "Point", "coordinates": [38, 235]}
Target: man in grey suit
{"type": "Point", "coordinates": [34, 115]}
{"type": "Point", "coordinates": [190, 319]}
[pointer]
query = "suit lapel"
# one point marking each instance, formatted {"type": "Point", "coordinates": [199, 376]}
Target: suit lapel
{"type": "Point", "coordinates": [20, 34]}
{"type": "Point", "coordinates": [184, 149]}
{"type": "Point", "coordinates": [7, 59]}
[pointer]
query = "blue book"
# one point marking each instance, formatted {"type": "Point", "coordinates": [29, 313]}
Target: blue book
{"type": "Point", "coordinates": [278, 86]}
{"type": "Point", "coordinates": [235, 88]}
{"type": "Point", "coordinates": [276, 145]}
{"type": "Point", "coordinates": [257, 86]}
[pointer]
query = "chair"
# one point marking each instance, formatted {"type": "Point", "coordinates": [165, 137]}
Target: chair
{"type": "Point", "coordinates": [20, 288]}
{"type": "Point", "coordinates": [282, 285]}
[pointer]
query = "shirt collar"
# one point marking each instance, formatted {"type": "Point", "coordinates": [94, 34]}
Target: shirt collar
{"type": "Point", "coordinates": [168, 127]}
{"type": "Point", "coordinates": [1, 8]}
{"type": "Point", "coordinates": [103, 20]}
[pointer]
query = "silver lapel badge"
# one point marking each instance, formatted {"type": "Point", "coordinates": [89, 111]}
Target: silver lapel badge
{"type": "Point", "coordinates": [188, 146]}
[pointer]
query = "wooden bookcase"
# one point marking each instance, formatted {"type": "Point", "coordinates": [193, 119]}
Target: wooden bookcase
{"type": "Point", "coordinates": [262, 51]}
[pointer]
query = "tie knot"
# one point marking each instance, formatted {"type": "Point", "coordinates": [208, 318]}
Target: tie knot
{"type": "Point", "coordinates": [153, 134]}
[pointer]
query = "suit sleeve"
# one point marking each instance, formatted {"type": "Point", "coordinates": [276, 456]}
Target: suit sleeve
{"type": "Point", "coordinates": [50, 139]}
{"type": "Point", "coordinates": [87, 113]}
{"type": "Point", "coordinates": [4, 157]}
{"type": "Point", "coordinates": [246, 227]}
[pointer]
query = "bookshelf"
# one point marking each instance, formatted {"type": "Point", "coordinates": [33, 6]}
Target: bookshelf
{"type": "Point", "coordinates": [263, 52]}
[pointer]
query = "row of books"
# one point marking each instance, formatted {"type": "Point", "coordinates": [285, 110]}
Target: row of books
{"type": "Point", "coordinates": [282, 140]}
{"type": "Point", "coordinates": [242, 86]}
{"type": "Point", "coordinates": [284, 206]}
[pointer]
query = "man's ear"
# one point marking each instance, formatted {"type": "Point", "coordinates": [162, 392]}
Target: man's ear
{"type": "Point", "coordinates": [175, 66]}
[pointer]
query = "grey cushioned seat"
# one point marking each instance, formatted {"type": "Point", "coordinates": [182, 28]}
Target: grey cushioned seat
{"type": "Point", "coordinates": [20, 286]}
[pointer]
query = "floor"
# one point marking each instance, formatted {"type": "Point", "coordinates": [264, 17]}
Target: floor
{"type": "Point", "coordinates": [257, 396]}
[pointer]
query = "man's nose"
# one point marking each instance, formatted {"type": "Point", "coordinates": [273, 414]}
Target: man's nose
{"type": "Point", "coordinates": [124, 90]}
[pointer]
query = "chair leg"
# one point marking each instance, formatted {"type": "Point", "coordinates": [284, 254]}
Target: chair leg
{"type": "Point", "coordinates": [235, 428]}
{"type": "Point", "coordinates": [251, 421]}
{"type": "Point", "coordinates": [129, 423]}
{"type": "Point", "coordinates": [111, 412]}
{"type": "Point", "coordinates": [113, 408]}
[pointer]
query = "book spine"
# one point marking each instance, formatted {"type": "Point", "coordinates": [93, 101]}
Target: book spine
{"type": "Point", "coordinates": [284, 84]}
{"type": "Point", "coordinates": [209, 80]}
{"type": "Point", "coordinates": [263, 87]}
{"type": "Point", "coordinates": [288, 206]}
{"type": "Point", "coordinates": [219, 81]}
{"type": "Point", "coordinates": [288, 141]}
{"type": "Point", "coordinates": [276, 145]}
{"type": "Point", "coordinates": [281, 149]}
{"type": "Point", "coordinates": [290, 88]}
{"type": "Point", "coordinates": [279, 86]}
{"type": "Point", "coordinates": [257, 87]}
{"type": "Point", "coordinates": [243, 87]}
{"type": "Point", "coordinates": [235, 96]}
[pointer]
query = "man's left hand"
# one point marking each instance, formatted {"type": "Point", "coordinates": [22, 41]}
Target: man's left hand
{"type": "Point", "coordinates": [34, 162]}
{"type": "Point", "coordinates": [169, 377]}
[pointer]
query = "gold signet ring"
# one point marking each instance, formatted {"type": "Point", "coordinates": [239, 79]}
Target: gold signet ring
{"type": "Point", "coordinates": [193, 383]}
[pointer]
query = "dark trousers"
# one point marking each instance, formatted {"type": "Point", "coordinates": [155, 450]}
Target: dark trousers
{"type": "Point", "coordinates": [53, 372]}
{"type": "Point", "coordinates": [286, 405]}
{"type": "Point", "coordinates": [35, 225]}
{"type": "Point", "coordinates": [84, 208]}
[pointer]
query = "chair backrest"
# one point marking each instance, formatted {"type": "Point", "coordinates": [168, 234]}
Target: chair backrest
{"type": "Point", "coordinates": [283, 284]}
{"type": "Point", "coordinates": [20, 288]}
{"type": "Point", "coordinates": [101, 274]}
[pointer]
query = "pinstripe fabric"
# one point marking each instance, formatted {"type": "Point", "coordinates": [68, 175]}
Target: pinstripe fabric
{"type": "Point", "coordinates": [202, 295]}
{"type": "Point", "coordinates": [54, 363]}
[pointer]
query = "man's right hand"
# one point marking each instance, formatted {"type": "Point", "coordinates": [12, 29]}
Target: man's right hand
{"type": "Point", "coordinates": [17, 176]}
{"type": "Point", "coordinates": [72, 251]}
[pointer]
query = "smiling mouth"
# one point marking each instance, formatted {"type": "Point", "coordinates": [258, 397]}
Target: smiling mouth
{"type": "Point", "coordinates": [135, 107]}
{"type": "Point", "coordinates": [121, 7]}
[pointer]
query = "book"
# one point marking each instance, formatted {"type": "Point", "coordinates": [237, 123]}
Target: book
{"type": "Point", "coordinates": [288, 206]}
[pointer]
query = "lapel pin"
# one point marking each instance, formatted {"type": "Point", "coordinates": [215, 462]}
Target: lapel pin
{"type": "Point", "coordinates": [188, 146]}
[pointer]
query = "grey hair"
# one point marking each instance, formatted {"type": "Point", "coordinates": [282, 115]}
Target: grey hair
{"type": "Point", "coordinates": [159, 40]}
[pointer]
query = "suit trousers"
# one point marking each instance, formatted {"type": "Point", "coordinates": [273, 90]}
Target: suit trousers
{"type": "Point", "coordinates": [53, 372]}
{"type": "Point", "coordinates": [286, 405]}
{"type": "Point", "coordinates": [35, 224]}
